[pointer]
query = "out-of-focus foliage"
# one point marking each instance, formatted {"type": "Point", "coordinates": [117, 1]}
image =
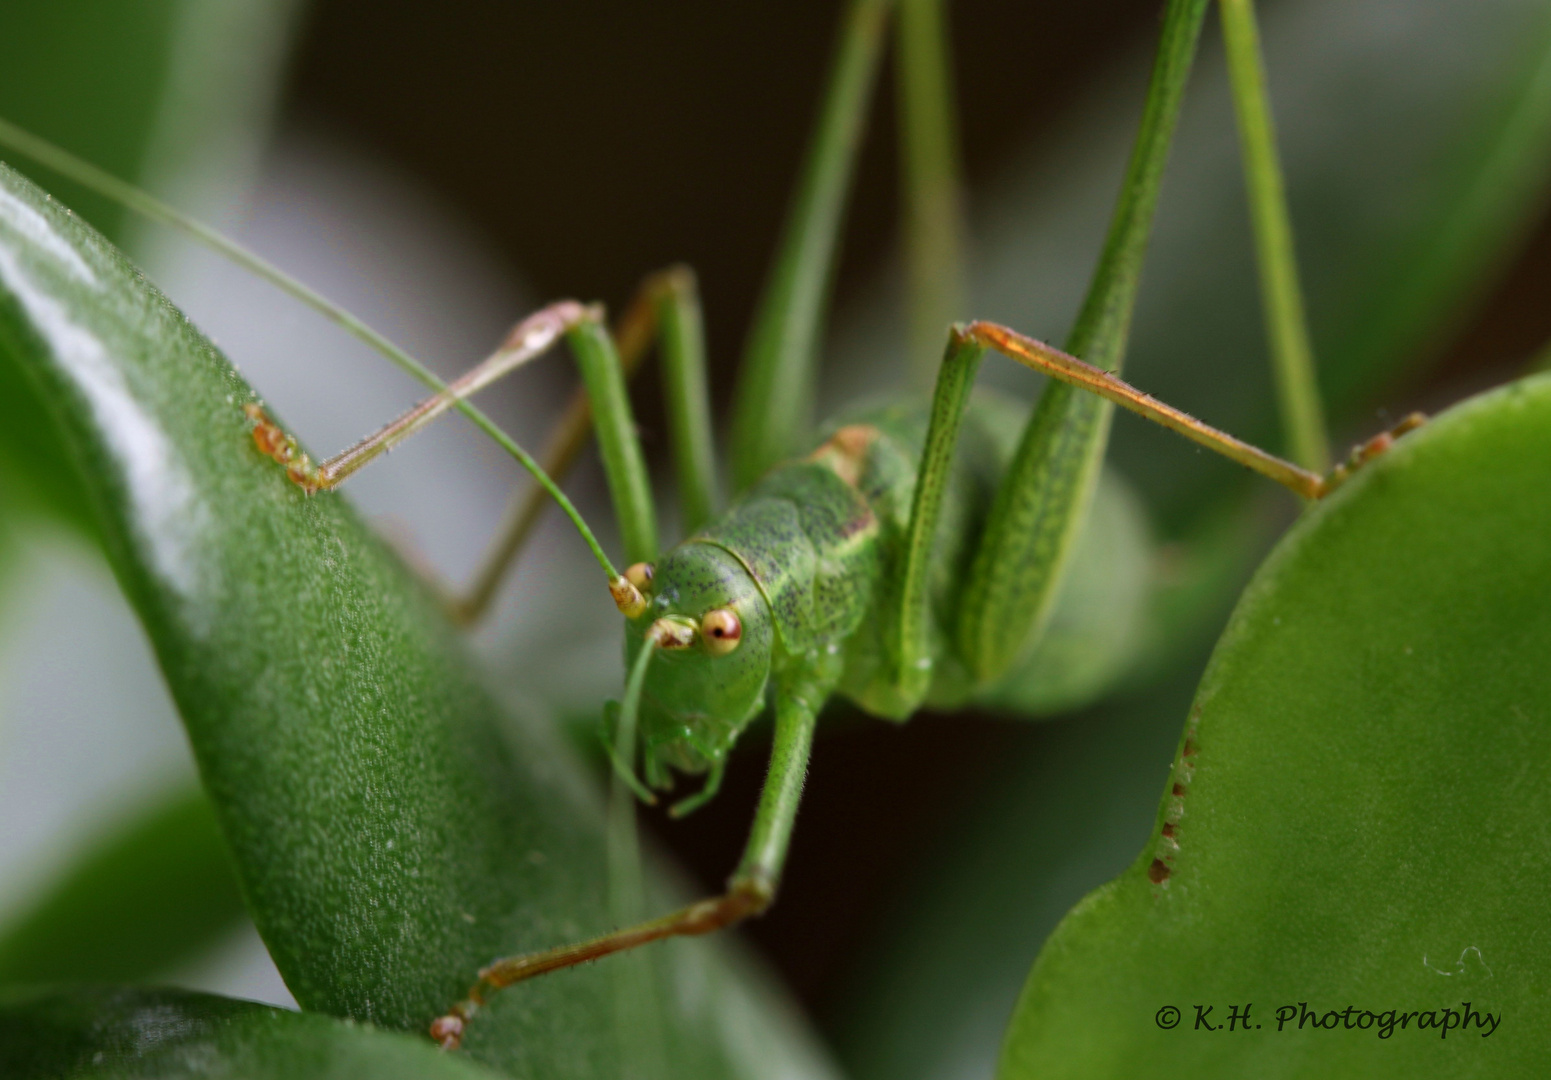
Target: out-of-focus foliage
{"type": "Point", "coordinates": [134, 1034]}
{"type": "Point", "coordinates": [152, 895]}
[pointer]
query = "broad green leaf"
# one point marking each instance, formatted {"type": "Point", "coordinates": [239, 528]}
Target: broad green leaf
{"type": "Point", "coordinates": [1357, 812]}
{"type": "Point", "coordinates": [393, 833]}
{"type": "Point", "coordinates": [138, 1034]}
{"type": "Point", "coordinates": [152, 895]}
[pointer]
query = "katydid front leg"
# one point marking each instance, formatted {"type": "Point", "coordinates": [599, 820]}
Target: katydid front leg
{"type": "Point", "coordinates": [750, 890]}
{"type": "Point", "coordinates": [666, 308]}
{"type": "Point", "coordinates": [529, 339]}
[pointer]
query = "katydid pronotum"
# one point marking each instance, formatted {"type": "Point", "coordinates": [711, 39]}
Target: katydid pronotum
{"type": "Point", "coordinates": [904, 561]}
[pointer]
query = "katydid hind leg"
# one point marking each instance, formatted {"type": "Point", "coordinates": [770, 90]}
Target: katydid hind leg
{"type": "Point", "coordinates": [773, 397]}
{"type": "Point", "coordinates": [687, 398]}
{"type": "Point", "coordinates": [1046, 488]}
{"type": "Point", "coordinates": [909, 641]}
{"type": "Point", "coordinates": [749, 892]}
{"type": "Point", "coordinates": [1025, 568]}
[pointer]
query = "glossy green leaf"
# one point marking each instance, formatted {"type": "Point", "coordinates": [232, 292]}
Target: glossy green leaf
{"type": "Point", "coordinates": [1357, 814]}
{"type": "Point", "coordinates": [154, 894]}
{"type": "Point", "coordinates": [137, 1034]}
{"type": "Point", "coordinates": [393, 833]}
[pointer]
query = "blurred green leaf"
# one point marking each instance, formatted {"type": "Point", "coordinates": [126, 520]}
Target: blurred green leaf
{"type": "Point", "coordinates": [138, 85]}
{"type": "Point", "coordinates": [1357, 812]}
{"type": "Point", "coordinates": [138, 1034]}
{"type": "Point", "coordinates": [172, 94]}
{"type": "Point", "coordinates": [152, 895]}
{"type": "Point", "coordinates": [95, 84]}
{"type": "Point", "coordinates": [392, 832]}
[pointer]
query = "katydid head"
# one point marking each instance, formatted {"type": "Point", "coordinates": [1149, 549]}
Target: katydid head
{"type": "Point", "coordinates": [713, 636]}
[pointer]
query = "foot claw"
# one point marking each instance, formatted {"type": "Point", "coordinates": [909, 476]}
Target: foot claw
{"type": "Point", "coordinates": [274, 443]}
{"type": "Point", "coordinates": [1366, 452]}
{"type": "Point", "coordinates": [447, 1031]}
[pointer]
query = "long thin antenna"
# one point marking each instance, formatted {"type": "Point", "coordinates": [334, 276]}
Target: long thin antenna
{"type": "Point", "coordinates": [109, 186]}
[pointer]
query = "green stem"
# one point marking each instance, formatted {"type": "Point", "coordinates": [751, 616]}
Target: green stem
{"type": "Point", "coordinates": [930, 179]}
{"type": "Point", "coordinates": [1292, 357]}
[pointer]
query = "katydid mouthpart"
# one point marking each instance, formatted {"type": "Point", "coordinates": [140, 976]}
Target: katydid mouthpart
{"type": "Point", "coordinates": [909, 557]}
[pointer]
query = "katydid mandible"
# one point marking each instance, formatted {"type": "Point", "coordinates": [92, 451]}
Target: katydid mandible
{"type": "Point", "coordinates": [907, 558]}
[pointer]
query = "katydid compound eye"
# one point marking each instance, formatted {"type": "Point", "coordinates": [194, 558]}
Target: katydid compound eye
{"type": "Point", "coordinates": [721, 631]}
{"type": "Point", "coordinates": [640, 575]}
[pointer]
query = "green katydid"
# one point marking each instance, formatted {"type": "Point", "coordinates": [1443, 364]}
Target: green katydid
{"type": "Point", "coordinates": [903, 561]}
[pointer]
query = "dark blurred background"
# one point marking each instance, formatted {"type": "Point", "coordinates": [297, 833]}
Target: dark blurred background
{"type": "Point", "coordinates": [588, 144]}
{"type": "Point", "coordinates": [594, 142]}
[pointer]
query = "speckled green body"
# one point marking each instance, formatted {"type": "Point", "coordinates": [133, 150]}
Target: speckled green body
{"type": "Point", "coordinates": [808, 558]}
